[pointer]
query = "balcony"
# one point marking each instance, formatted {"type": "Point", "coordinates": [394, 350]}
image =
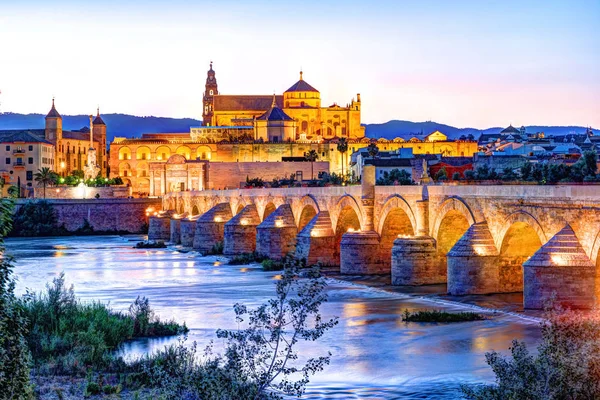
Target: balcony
{"type": "Point", "coordinates": [19, 151]}
{"type": "Point", "coordinates": [19, 165]}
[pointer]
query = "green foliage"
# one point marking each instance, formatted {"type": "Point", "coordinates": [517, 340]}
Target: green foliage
{"type": "Point", "coordinates": [150, 245]}
{"type": "Point", "coordinates": [45, 177]}
{"type": "Point", "coordinates": [13, 192]}
{"type": "Point", "coordinates": [311, 156]}
{"type": "Point", "coordinates": [565, 366]}
{"type": "Point", "coordinates": [216, 249]}
{"type": "Point", "coordinates": [456, 176]}
{"type": "Point", "coordinates": [440, 316]}
{"type": "Point", "coordinates": [469, 175]}
{"type": "Point", "coordinates": [526, 171]}
{"type": "Point", "coordinates": [441, 175]}
{"type": "Point", "coordinates": [247, 258]}
{"type": "Point", "coordinates": [65, 335]}
{"type": "Point", "coordinates": [333, 178]}
{"type": "Point", "coordinates": [14, 354]}
{"type": "Point", "coordinates": [36, 218]}
{"type": "Point", "coordinates": [254, 183]}
{"type": "Point", "coordinates": [373, 150]}
{"type": "Point", "coordinates": [263, 350]}
{"type": "Point", "coordinates": [272, 265]}
{"type": "Point", "coordinates": [509, 175]}
{"type": "Point", "coordinates": [395, 177]}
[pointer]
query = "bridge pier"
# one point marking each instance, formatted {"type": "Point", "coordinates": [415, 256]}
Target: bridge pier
{"type": "Point", "coordinates": [188, 231]}
{"type": "Point", "coordinates": [473, 263]}
{"type": "Point", "coordinates": [415, 261]}
{"type": "Point", "coordinates": [561, 271]}
{"type": "Point", "coordinates": [175, 235]}
{"type": "Point", "coordinates": [240, 232]}
{"type": "Point", "coordinates": [159, 227]}
{"type": "Point", "coordinates": [276, 235]}
{"type": "Point", "coordinates": [316, 241]}
{"type": "Point", "coordinates": [360, 253]}
{"type": "Point", "coordinates": [210, 227]}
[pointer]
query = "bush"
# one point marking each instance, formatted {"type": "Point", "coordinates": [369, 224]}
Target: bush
{"type": "Point", "coordinates": [36, 218]}
{"type": "Point", "coordinates": [14, 353]}
{"type": "Point", "coordinates": [469, 175]}
{"type": "Point", "coordinates": [440, 316]}
{"type": "Point", "coordinates": [395, 177]}
{"type": "Point", "coordinates": [272, 265]}
{"type": "Point", "coordinates": [456, 176]}
{"type": "Point", "coordinates": [150, 245]}
{"type": "Point", "coordinates": [216, 249]}
{"type": "Point", "coordinates": [566, 366]}
{"type": "Point", "coordinates": [247, 258]}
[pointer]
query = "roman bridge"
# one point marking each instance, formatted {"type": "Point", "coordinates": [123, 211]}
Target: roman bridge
{"type": "Point", "coordinates": [542, 240]}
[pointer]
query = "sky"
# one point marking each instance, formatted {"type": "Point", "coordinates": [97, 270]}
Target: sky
{"type": "Point", "coordinates": [464, 63]}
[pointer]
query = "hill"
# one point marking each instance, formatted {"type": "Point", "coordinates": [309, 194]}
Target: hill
{"type": "Point", "coordinates": [131, 126]}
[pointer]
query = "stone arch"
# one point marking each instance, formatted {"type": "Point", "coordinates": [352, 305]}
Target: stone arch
{"type": "Point", "coordinates": [521, 236]}
{"type": "Point", "coordinates": [343, 203]}
{"type": "Point", "coordinates": [391, 204]}
{"type": "Point", "coordinates": [195, 210]}
{"type": "Point", "coordinates": [452, 205]}
{"type": "Point", "coordinates": [204, 153]}
{"type": "Point", "coordinates": [347, 220]}
{"type": "Point", "coordinates": [125, 170]}
{"type": "Point", "coordinates": [124, 153]}
{"type": "Point", "coordinates": [395, 221]}
{"type": "Point", "coordinates": [163, 153]}
{"type": "Point", "coordinates": [595, 258]}
{"type": "Point", "coordinates": [269, 208]}
{"type": "Point", "coordinates": [142, 169]}
{"type": "Point", "coordinates": [143, 185]}
{"type": "Point", "coordinates": [306, 201]}
{"type": "Point", "coordinates": [142, 153]}
{"type": "Point", "coordinates": [306, 214]}
{"type": "Point", "coordinates": [184, 151]}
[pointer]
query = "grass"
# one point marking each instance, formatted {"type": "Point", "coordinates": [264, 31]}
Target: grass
{"type": "Point", "coordinates": [440, 316]}
{"type": "Point", "coordinates": [66, 336]}
{"type": "Point", "coordinates": [247, 258]}
{"type": "Point", "coordinates": [151, 245]}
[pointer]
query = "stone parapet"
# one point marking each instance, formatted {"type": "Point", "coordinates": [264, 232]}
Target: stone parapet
{"type": "Point", "coordinates": [210, 227]}
{"type": "Point", "coordinates": [415, 262]}
{"type": "Point", "coordinates": [276, 235]}
{"type": "Point", "coordinates": [316, 242]}
{"type": "Point", "coordinates": [240, 232]}
{"type": "Point", "coordinates": [559, 271]}
{"type": "Point", "coordinates": [360, 254]}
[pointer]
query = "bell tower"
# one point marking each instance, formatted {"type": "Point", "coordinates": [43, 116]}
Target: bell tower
{"type": "Point", "coordinates": [210, 90]}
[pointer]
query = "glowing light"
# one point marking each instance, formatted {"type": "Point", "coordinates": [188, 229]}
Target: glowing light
{"type": "Point", "coordinates": [155, 214]}
{"type": "Point", "coordinates": [314, 234]}
{"type": "Point", "coordinates": [57, 190]}
{"type": "Point", "coordinates": [350, 230]}
{"type": "Point", "coordinates": [404, 236]}
{"type": "Point", "coordinates": [244, 270]}
{"type": "Point", "coordinates": [244, 221]}
{"type": "Point", "coordinates": [559, 259]}
{"type": "Point", "coordinates": [62, 165]}
{"type": "Point", "coordinates": [218, 219]}
{"type": "Point", "coordinates": [217, 263]}
{"type": "Point", "coordinates": [61, 180]}
{"type": "Point", "coordinates": [279, 223]}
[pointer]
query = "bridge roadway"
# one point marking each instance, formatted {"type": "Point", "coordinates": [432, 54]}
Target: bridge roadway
{"type": "Point", "coordinates": [542, 240]}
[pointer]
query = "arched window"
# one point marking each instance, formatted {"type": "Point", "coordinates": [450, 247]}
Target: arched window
{"type": "Point", "coordinates": [211, 92]}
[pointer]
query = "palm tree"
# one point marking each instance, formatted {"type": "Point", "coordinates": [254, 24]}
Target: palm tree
{"type": "Point", "coordinates": [342, 147]}
{"type": "Point", "coordinates": [45, 176]}
{"type": "Point", "coordinates": [373, 150]}
{"type": "Point", "coordinates": [311, 156]}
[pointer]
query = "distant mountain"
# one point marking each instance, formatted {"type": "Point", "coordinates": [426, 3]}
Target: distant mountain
{"type": "Point", "coordinates": [130, 126]}
{"type": "Point", "coordinates": [408, 129]}
{"type": "Point", "coordinates": [121, 125]}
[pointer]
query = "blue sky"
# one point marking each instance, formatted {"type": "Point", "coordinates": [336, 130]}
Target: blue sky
{"type": "Point", "coordinates": [465, 63]}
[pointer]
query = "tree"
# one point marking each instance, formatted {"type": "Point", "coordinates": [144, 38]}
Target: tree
{"type": "Point", "coordinates": [526, 171]}
{"type": "Point", "coordinates": [264, 350]}
{"type": "Point", "coordinates": [456, 176]}
{"type": "Point", "coordinates": [311, 156]}
{"type": "Point", "coordinates": [342, 147]}
{"type": "Point", "coordinates": [45, 176]}
{"type": "Point", "coordinates": [14, 353]}
{"type": "Point", "coordinates": [373, 150]}
{"type": "Point", "coordinates": [469, 175]}
{"type": "Point", "coordinates": [395, 177]}
{"type": "Point", "coordinates": [441, 175]}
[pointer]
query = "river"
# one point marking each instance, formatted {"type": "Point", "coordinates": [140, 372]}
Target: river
{"type": "Point", "coordinates": [375, 354]}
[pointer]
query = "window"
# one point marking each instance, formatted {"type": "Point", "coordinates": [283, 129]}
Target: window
{"type": "Point", "coordinates": [30, 148]}
{"type": "Point", "coordinates": [30, 160]}
{"type": "Point", "coordinates": [7, 160]}
{"type": "Point", "coordinates": [211, 92]}
{"type": "Point", "coordinates": [29, 175]}
{"type": "Point", "coordinates": [7, 149]}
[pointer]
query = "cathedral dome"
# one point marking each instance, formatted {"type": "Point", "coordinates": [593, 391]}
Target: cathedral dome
{"type": "Point", "coordinates": [301, 86]}
{"type": "Point", "coordinates": [275, 114]}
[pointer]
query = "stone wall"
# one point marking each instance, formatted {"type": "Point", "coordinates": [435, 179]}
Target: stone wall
{"type": "Point", "coordinates": [231, 175]}
{"type": "Point", "coordinates": [75, 192]}
{"type": "Point", "coordinates": [103, 214]}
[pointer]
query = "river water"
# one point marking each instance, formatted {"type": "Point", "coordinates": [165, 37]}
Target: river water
{"type": "Point", "coordinates": [375, 354]}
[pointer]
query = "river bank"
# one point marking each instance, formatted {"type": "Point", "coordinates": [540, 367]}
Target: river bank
{"type": "Point", "coordinates": [375, 353]}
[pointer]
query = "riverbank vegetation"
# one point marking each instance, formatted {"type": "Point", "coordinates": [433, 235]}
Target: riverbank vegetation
{"type": "Point", "coordinates": [566, 364]}
{"type": "Point", "coordinates": [247, 258]}
{"type": "Point", "coordinates": [150, 245]}
{"type": "Point", "coordinates": [440, 316]}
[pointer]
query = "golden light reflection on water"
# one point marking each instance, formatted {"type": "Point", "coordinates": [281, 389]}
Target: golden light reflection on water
{"type": "Point", "coordinates": [277, 277]}
{"type": "Point", "coordinates": [217, 263]}
{"type": "Point", "coordinates": [244, 269]}
{"type": "Point", "coordinates": [59, 254]}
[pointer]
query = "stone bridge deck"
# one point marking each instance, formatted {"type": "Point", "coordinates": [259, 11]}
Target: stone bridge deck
{"type": "Point", "coordinates": [542, 240]}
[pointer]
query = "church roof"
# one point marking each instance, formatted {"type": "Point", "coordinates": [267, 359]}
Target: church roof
{"type": "Point", "coordinates": [275, 113]}
{"type": "Point", "coordinates": [301, 86]}
{"type": "Point", "coordinates": [53, 113]}
{"type": "Point", "coordinates": [244, 102]}
{"type": "Point", "coordinates": [23, 135]}
{"type": "Point", "coordinates": [98, 120]}
{"type": "Point", "coordinates": [510, 129]}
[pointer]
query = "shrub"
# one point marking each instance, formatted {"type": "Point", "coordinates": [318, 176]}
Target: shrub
{"type": "Point", "coordinates": [441, 175]}
{"type": "Point", "coordinates": [36, 218]}
{"type": "Point", "coordinates": [14, 354]}
{"type": "Point", "coordinates": [150, 245]}
{"type": "Point", "coordinates": [566, 366]}
{"type": "Point", "coordinates": [272, 265]}
{"type": "Point", "coordinates": [456, 176]}
{"type": "Point", "coordinates": [395, 177]}
{"type": "Point", "coordinates": [469, 175]}
{"type": "Point", "coordinates": [247, 258]}
{"type": "Point", "coordinates": [440, 316]}
{"type": "Point", "coordinates": [216, 249]}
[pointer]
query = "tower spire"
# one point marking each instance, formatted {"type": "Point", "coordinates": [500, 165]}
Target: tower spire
{"type": "Point", "coordinates": [274, 104]}
{"type": "Point", "coordinates": [301, 74]}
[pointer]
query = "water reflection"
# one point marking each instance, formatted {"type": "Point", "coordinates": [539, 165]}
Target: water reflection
{"type": "Point", "coordinates": [375, 353]}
